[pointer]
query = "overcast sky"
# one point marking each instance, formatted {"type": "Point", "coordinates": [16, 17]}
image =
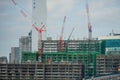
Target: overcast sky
{"type": "Point", "coordinates": [104, 16]}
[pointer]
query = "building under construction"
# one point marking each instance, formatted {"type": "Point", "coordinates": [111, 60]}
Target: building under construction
{"type": "Point", "coordinates": [72, 46]}
{"type": "Point", "coordinates": [73, 51]}
{"type": "Point", "coordinates": [41, 71]}
{"type": "Point", "coordinates": [55, 52]}
{"type": "Point", "coordinates": [107, 64]}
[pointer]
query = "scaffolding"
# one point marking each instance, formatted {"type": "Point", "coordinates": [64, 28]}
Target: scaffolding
{"type": "Point", "coordinates": [29, 57]}
{"type": "Point", "coordinates": [88, 59]}
{"type": "Point", "coordinates": [73, 51]}
{"type": "Point", "coordinates": [71, 46]}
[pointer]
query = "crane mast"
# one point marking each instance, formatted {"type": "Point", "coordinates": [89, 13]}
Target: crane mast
{"type": "Point", "coordinates": [70, 34]}
{"type": "Point", "coordinates": [89, 24]}
{"type": "Point", "coordinates": [61, 36]}
{"type": "Point", "coordinates": [39, 30]}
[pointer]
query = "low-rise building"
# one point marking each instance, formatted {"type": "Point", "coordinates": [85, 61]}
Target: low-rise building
{"type": "Point", "coordinates": [107, 64]}
{"type": "Point", "coordinates": [41, 71]}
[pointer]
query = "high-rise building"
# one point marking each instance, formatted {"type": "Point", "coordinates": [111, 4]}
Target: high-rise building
{"type": "Point", "coordinates": [39, 18]}
{"type": "Point", "coordinates": [25, 44]}
{"type": "Point", "coordinates": [14, 55]}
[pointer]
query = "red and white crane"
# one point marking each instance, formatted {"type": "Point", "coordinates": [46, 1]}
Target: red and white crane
{"type": "Point", "coordinates": [14, 2]}
{"type": "Point", "coordinates": [39, 30]}
{"type": "Point", "coordinates": [89, 24]}
{"type": "Point", "coordinates": [22, 10]}
{"type": "Point", "coordinates": [61, 36]}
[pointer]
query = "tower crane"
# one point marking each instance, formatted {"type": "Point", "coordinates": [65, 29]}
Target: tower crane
{"type": "Point", "coordinates": [89, 24]}
{"type": "Point", "coordinates": [89, 28]}
{"type": "Point", "coordinates": [70, 34]}
{"type": "Point", "coordinates": [14, 2]}
{"type": "Point", "coordinates": [61, 36]}
{"type": "Point", "coordinates": [22, 10]}
{"type": "Point", "coordinates": [68, 40]}
{"type": "Point", "coordinates": [39, 30]}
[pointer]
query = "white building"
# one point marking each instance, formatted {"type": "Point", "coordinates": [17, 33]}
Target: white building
{"type": "Point", "coordinates": [108, 37]}
{"type": "Point", "coordinates": [25, 45]}
{"type": "Point", "coordinates": [39, 18]}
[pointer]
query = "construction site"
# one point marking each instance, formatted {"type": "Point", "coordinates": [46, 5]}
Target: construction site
{"type": "Point", "coordinates": [62, 59]}
{"type": "Point", "coordinates": [95, 60]}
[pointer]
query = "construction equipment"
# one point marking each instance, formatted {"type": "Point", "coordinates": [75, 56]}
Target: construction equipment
{"type": "Point", "coordinates": [61, 36]}
{"type": "Point", "coordinates": [89, 24]}
{"type": "Point", "coordinates": [23, 11]}
{"type": "Point", "coordinates": [39, 30]}
{"type": "Point", "coordinates": [14, 2]}
{"type": "Point", "coordinates": [70, 34]}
